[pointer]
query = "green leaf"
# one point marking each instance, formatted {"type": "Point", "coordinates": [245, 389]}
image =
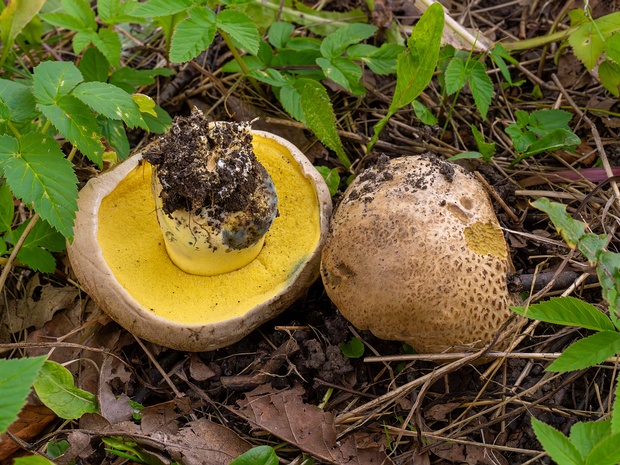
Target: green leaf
{"type": "Point", "coordinates": [153, 8]}
{"type": "Point", "coordinates": [94, 66]}
{"type": "Point", "coordinates": [110, 101]}
{"type": "Point", "coordinates": [66, 21]}
{"type": "Point", "coordinates": [279, 33]}
{"type": "Point", "coordinates": [500, 55]}
{"type": "Point", "coordinates": [260, 455]}
{"type": "Point", "coordinates": [559, 448]}
{"type": "Point", "coordinates": [423, 113]}
{"type": "Point", "coordinates": [37, 259]}
{"type": "Point", "coordinates": [336, 43]}
{"type": "Point", "coordinates": [54, 79]}
{"type": "Point", "coordinates": [612, 48]}
{"type": "Point", "coordinates": [128, 78]}
{"type": "Point", "coordinates": [270, 76]}
{"type": "Point", "coordinates": [615, 410]}
{"type": "Point", "coordinates": [20, 100]}
{"type": "Point", "coordinates": [553, 140]}
{"type": "Point", "coordinates": [32, 460]}
{"type": "Point", "coordinates": [382, 61]}
{"type": "Point", "coordinates": [332, 178]}
{"type": "Point", "coordinates": [193, 35]}
{"type": "Point", "coordinates": [240, 28]}
{"type": "Point", "coordinates": [7, 208]}
{"type": "Point", "coordinates": [38, 173]}
{"type": "Point", "coordinates": [608, 271]}
{"type": "Point", "coordinates": [570, 229]}
{"type": "Point", "coordinates": [586, 435]}
{"type": "Point", "coordinates": [290, 99]}
{"type": "Point", "coordinates": [550, 119]}
{"type": "Point", "coordinates": [113, 12]}
{"type": "Point", "coordinates": [13, 20]}
{"type": "Point", "coordinates": [145, 104]}
{"type": "Point", "coordinates": [319, 116]}
{"type": "Point", "coordinates": [587, 44]}
{"type": "Point", "coordinates": [345, 72]}
{"type": "Point", "coordinates": [109, 44]}
{"type": "Point", "coordinates": [80, 9]}
{"type": "Point", "coordinates": [77, 123]}
{"type": "Point", "coordinates": [115, 134]}
{"type": "Point", "coordinates": [82, 40]}
{"type": "Point", "coordinates": [567, 311]}
{"type": "Point", "coordinates": [160, 123]}
{"type": "Point", "coordinates": [354, 348]}
{"type": "Point", "coordinates": [487, 149]}
{"type": "Point", "coordinates": [481, 87]}
{"type": "Point", "coordinates": [609, 75]}
{"type": "Point", "coordinates": [54, 386]}
{"type": "Point", "coordinates": [16, 377]}
{"type": "Point", "coordinates": [465, 156]}
{"type": "Point", "coordinates": [587, 352]}
{"type": "Point", "coordinates": [416, 67]}
{"type": "Point", "coordinates": [57, 448]}
{"type": "Point", "coordinates": [455, 76]}
{"type": "Point", "coordinates": [605, 452]}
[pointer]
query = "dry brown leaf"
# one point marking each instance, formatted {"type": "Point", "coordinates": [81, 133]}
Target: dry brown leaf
{"type": "Point", "coordinates": [31, 421]}
{"type": "Point", "coordinates": [199, 370]}
{"type": "Point", "coordinates": [79, 447]}
{"type": "Point", "coordinates": [114, 408]}
{"type": "Point", "coordinates": [439, 411]}
{"type": "Point", "coordinates": [309, 428]}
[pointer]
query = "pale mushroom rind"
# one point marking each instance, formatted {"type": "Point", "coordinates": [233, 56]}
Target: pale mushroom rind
{"type": "Point", "coordinates": [416, 254]}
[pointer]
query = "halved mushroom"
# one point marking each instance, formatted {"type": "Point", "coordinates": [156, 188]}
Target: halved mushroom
{"type": "Point", "coordinates": [416, 254]}
{"type": "Point", "coordinates": [120, 256]}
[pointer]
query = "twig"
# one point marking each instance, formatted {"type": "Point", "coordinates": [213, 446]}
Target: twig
{"type": "Point", "coordinates": [7, 267]}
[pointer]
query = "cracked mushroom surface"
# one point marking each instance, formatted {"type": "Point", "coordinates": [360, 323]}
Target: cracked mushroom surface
{"type": "Point", "coordinates": [416, 254]}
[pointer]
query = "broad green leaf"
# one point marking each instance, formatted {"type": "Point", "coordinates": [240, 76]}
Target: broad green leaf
{"type": "Point", "coordinates": [382, 61]}
{"type": "Point", "coordinates": [591, 245]}
{"type": "Point", "coordinates": [66, 21]}
{"type": "Point", "coordinates": [343, 71]}
{"type": "Point", "coordinates": [290, 99]}
{"type": "Point", "coordinates": [55, 387]}
{"type": "Point", "coordinates": [570, 229]}
{"type": "Point", "coordinates": [270, 76]}
{"type": "Point", "coordinates": [16, 377]}
{"type": "Point", "coordinates": [605, 452]}
{"type": "Point", "coordinates": [415, 67]}
{"type": "Point", "coordinates": [160, 123]}
{"type": "Point", "coordinates": [487, 149]}
{"type": "Point", "coordinates": [336, 43]}
{"type": "Point", "coordinates": [609, 75]}
{"type": "Point", "coordinates": [37, 259]}
{"type": "Point", "coordinates": [319, 116]}
{"type": "Point", "coordinates": [128, 78]}
{"type": "Point", "coordinates": [114, 11]}
{"type": "Point", "coordinates": [559, 448]}
{"type": "Point", "coordinates": [260, 455]}
{"type": "Point", "coordinates": [354, 348]}
{"type": "Point", "coordinates": [423, 113]}
{"type": "Point", "coordinates": [94, 66]}
{"type": "Point", "coordinates": [14, 18]}
{"type": "Point", "coordinates": [57, 448]}
{"type": "Point", "coordinates": [82, 39]}
{"type": "Point", "coordinates": [193, 35]}
{"type": "Point", "coordinates": [587, 43]}
{"type": "Point", "coordinates": [35, 251]}
{"type": "Point", "coordinates": [7, 208]}
{"type": "Point", "coordinates": [279, 33]}
{"type": "Point", "coordinates": [43, 235]}
{"type": "Point", "coordinates": [54, 79]}
{"type": "Point", "coordinates": [110, 101]}
{"type": "Point", "coordinates": [153, 8]}
{"type": "Point", "coordinates": [521, 138]}
{"type": "Point", "coordinates": [567, 311]}
{"type": "Point", "coordinates": [80, 9]}
{"type": "Point", "coordinates": [587, 352]}
{"type": "Point", "coordinates": [295, 58]}
{"type": "Point", "coordinates": [38, 173]}
{"type": "Point", "coordinates": [612, 48]}
{"type": "Point", "coordinates": [241, 29]}
{"type": "Point", "coordinates": [20, 100]}
{"type": "Point", "coordinates": [481, 87]}
{"type": "Point", "coordinates": [455, 76]}
{"type": "Point", "coordinates": [145, 104]}
{"type": "Point", "coordinates": [550, 119]}
{"type": "Point", "coordinates": [615, 410]}
{"type": "Point", "coordinates": [109, 44]}
{"type": "Point", "coordinates": [77, 123]}
{"type": "Point", "coordinates": [115, 134]}
{"type": "Point", "coordinates": [553, 140]}
{"type": "Point", "coordinates": [32, 460]}
{"type": "Point", "coordinates": [332, 178]}
{"type": "Point", "coordinates": [585, 435]}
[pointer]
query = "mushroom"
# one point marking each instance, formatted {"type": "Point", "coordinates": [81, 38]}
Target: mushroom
{"type": "Point", "coordinates": [243, 259]}
{"type": "Point", "coordinates": [415, 254]}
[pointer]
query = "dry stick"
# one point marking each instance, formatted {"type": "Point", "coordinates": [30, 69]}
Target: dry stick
{"type": "Point", "coordinates": [495, 195]}
{"type": "Point", "coordinates": [7, 268]}
{"type": "Point", "coordinates": [597, 138]}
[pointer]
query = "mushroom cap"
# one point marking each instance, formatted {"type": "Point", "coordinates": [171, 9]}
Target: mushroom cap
{"type": "Point", "coordinates": [415, 254]}
{"type": "Point", "coordinates": [118, 255]}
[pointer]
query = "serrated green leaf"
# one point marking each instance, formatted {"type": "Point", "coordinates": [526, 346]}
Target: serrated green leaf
{"type": "Point", "coordinates": [37, 172]}
{"type": "Point", "coordinates": [290, 99]}
{"type": "Point", "coordinates": [336, 43]}
{"type": "Point", "coordinates": [241, 29]}
{"type": "Point", "coordinates": [13, 20]}
{"type": "Point", "coordinates": [615, 410]}
{"type": "Point", "coordinates": [343, 71]}
{"type": "Point", "coordinates": [66, 21]}
{"type": "Point", "coordinates": [455, 76]}
{"type": "Point", "coordinates": [7, 208]}
{"type": "Point", "coordinates": [332, 178]}
{"type": "Point", "coordinates": [79, 9]}
{"type": "Point", "coordinates": [20, 100]}
{"type": "Point", "coordinates": [77, 123]}
{"type": "Point", "coordinates": [605, 452]}
{"type": "Point", "coordinates": [82, 39]}
{"type": "Point", "coordinates": [110, 101]}
{"type": "Point", "coordinates": [160, 123]}
{"type": "Point", "coordinates": [259, 455]}
{"type": "Point", "coordinates": [586, 435]}
{"type": "Point", "coordinates": [109, 44]}
{"type": "Point", "coordinates": [37, 259]}
{"type": "Point", "coordinates": [279, 33]}
{"type": "Point", "coordinates": [94, 66]}
{"type": "Point", "coordinates": [113, 12]}
{"type": "Point", "coordinates": [16, 377]}
{"type": "Point", "coordinates": [481, 87]}
{"type": "Point", "coordinates": [32, 460]}
{"type": "Point", "coordinates": [609, 75]}
{"type": "Point", "coordinates": [53, 80]}
{"type": "Point", "coordinates": [55, 387]}
{"type": "Point", "coordinates": [559, 448]}
{"type": "Point", "coordinates": [319, 116]}
{"type": "Point", "coordinates": [153, 8]}
{"type": "Point", "coordinates": [115, 134]}
{"type": "Point", "coordinates": [193, 35]}
{"type": "Point", "coordinates": [587, 352]}
{"type": "Point", "coordinates": [567, 311]}
{"type": "Point", "coordinates": [570, 229]}
{"type": "Point", "coordinates": [587, 44]}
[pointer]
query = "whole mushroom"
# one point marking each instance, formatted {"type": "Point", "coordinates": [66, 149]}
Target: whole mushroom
{"type": "Point", "coordinates": [415, 254]}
